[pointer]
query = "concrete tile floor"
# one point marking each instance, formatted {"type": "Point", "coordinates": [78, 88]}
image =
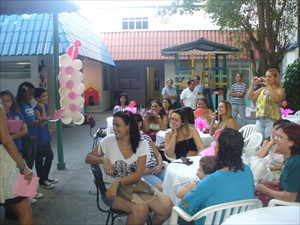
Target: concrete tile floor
{"type": "Point", "coordinates": [70, 202]}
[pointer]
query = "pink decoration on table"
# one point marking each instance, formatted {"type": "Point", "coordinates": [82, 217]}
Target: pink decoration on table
{"type": "Point", "coordinates": [209, 151]}
{"type": "Point", "coordinates": [131, 109]}
{"type": "Point", "coordinates": [200, 124]}
{"type": "Point", "coordinates": [285, 112]}
{"type": "Point", "coordinates": [199, 112]}
{"type": "Point", "coordinates": [132, 103]}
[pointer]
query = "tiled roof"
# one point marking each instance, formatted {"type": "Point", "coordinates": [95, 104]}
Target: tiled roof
{"type": "Point", "coordinates": [148, 45]}
{"type": "Point", "coordinates": [32, 35]}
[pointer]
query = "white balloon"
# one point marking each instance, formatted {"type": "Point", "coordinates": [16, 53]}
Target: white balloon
{"type": "Point", "coordinates": [63, 91]}
{"type": "Point", "coordinates": [79, 101]}
{"type": "Point", "coordinates": [79, 88]}
{"type": "Point", "coordinates": [65, 60]}
{"type": "Point", "coordinates": [63, 77]}
{"type": "Point", "coordinates": [65, 101]}
{"type": "Point", "coordinates": [78, 76]}
{"type": "Point", "coordinates": [78, 118]}
{"type": "Point", "coordinates": [66, 120]}
{"type": "Point", "coordinates": [77, 64]}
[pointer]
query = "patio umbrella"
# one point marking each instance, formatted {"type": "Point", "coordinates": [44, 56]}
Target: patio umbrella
{"type": "Point", "coordinates": [54, 7]}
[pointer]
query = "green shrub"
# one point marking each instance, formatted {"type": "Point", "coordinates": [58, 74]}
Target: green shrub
{"type": "Point", "coordinates": [291, 85]}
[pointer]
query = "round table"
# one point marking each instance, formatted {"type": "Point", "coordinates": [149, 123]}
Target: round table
{"type": "Point", "coordinates": [282, 215]}
{"type": "Point", "coordinates": [206, 138]}
{"type": "Point", "coordinates": [179, 175]}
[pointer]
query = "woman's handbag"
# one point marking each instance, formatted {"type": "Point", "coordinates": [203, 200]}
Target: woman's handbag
{"type": "Point", "coordinates": [138, 193]}
{"type": "Point", "coordinates": [266, 198]}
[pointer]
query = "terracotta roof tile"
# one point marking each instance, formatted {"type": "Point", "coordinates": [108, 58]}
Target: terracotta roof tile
{"type": "Point", "coordinates": [147, 45]}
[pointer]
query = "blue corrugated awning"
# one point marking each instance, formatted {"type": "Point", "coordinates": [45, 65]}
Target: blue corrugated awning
{"type": "Point", "coordinates": [32, 35]}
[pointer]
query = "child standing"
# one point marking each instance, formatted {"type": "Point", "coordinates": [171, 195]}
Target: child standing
{"type": "Point", "coordinates": [29, 142]}
{"type": "Point", "coordinates": [206, 167]}
{"type": "Point", "coordinates": [9, 105]}
{"type": "Point", "coordinates": [44, 154]}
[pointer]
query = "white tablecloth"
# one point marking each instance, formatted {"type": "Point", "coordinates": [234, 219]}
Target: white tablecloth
{"type": "Point", "coordinates": [283, 215]}
{"type": "Point", "coordinates": [179, 175]}
{"type": "Point", "coordinates": [206, 138]}
{"type": "Point", "coordinates": [293, 118]}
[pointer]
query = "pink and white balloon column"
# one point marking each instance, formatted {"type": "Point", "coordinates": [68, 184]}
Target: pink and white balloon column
{"type": "Point", "coordinates": [71, 86]}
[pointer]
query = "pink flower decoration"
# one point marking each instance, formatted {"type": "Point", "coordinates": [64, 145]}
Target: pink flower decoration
{"type": "Point", "coordinates": [285, 112]}
{"type": "Point", "coordinates": [131, 109]}
{"type": "Point", "coordinates": [200, 123]}
{"type": "Point", "coordinates": [72, 95]}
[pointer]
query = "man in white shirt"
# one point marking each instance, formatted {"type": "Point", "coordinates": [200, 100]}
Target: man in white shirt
{"type": "Point", "coordinates": [189, 96]}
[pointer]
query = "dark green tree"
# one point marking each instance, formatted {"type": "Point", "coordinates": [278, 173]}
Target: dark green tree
{"type": "Point", "coordinates": [267, 26]}
{"type": "Point", "coordinates": [291, 85]}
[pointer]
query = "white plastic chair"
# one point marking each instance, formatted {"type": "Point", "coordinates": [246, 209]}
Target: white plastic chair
{"type": "Point", "coordinates": [277, 202]}
{"type": "Point", "coordinates": [109, 121]}
{"type": "Point", "coordinates": [297, 113]}
{"type": "Point", "coordinates": [247, 130]}
{"type": "Point", "coordinates": [252, 143]}
{"type": "Point", "coordinates": [217, 213]}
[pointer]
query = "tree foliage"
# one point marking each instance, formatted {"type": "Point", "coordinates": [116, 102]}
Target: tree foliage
{"type": "Point", "coordinates": [267, 26]}
{"type": "Point", "coordinates": [291, 85]}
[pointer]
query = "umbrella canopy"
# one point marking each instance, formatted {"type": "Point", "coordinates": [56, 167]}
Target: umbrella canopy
{"type": "Point", "coordinates": [8, 7]}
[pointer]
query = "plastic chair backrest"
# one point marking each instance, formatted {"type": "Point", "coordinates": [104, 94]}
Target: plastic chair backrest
{"type": "Point", "coordinates": [247, 130]}
{"type": "Point", "coordinates": [109, 121]}
{"type": "Point", "coordinates": [277, 202]}
{"type": "Point", "coordinates": [254, 140]}
{"type": "Point", "coordinates": [218, 213]}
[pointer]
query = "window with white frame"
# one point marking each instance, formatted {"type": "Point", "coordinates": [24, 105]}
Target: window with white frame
{"type": "Point", "coordinates": [135, 23]}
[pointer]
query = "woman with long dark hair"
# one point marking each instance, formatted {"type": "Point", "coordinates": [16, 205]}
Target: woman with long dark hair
{"type": "Point", "coordinates": [123, 157]}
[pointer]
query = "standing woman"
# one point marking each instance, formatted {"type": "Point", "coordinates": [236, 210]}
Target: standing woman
{"type": "Point", "coordinates": [167, 105]}
{"type": "Point", "coordinates": [11, 163]}
{"type": "Point", "coordinates": [25, 95]}
{"type": "Point", "coordinates": [155, 120]}
{"type": "Point", "coordinates": [170, 92]}
{"type": "Point", "coordinates": [182, 139]}
{"type": "Point", "coordinates": [268, 99]}
{"type": "Point", "coordinates": [123, 102]}
{"type": "Point", "coordinates": [225, 119]}
{"type": "Point", "coordinates": [123, 157]}
{"type": "Point", "coordinates": [287, 143]}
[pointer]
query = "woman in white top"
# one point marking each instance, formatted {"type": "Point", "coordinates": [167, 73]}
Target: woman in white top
{"type": "Point", "coordinates": [123, 157]}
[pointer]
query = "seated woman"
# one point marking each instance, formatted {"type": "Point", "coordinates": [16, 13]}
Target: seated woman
{"type": "Point", "coordinates": [182, 139]}
{"type": "Point", "coordinates": [207, 113]}
{"type": "Point", "coordinates": [287, 142]}
{"type": "Point", "coordinates": [155, 120]}
{"type": "Point", "coordinates": [189, 115]}
{"type": "Point", "coordinates": [224, 117]}
{"type": "Point", "coordinates": [154, 173]}
{"type": "Point", "coordinates": [274, 160]}
{"type": "Point", "coordinates": [123, 102]}
{"type": "Point", "coordinates": [232, 180]}
{"type": "Point", "coordinates": [225, 120]}
{"type": "Point", "coordinates": [123, 159]}
{"type": "Point", "coordinates": [167, 105]}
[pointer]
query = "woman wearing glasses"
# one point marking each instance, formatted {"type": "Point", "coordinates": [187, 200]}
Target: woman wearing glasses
{"type": "Point", "coordinates": [287, 143]}
{"type": "Point", "coordinates": [123, 157]}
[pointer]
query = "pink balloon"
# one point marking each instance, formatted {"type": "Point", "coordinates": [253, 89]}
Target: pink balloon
{"type": "Point", "coordinates": [199, 112]}
{"type": "Point", "coordinates": [69, 70]}
{"type": "Point", "coordinates": [73, 52]}
{"type": "Point", "coordinates": [284, 104]}
{"type": "Point", "coordinates": [70, 84]}
{"type": "Point", "coordinates": [72, 95]}
{"type": "Point", "coordinates": [132, 103]}
{"type": "Point", "coordinates": [74, 108]}
{"type": "Point", "coordinates": [77, 43]}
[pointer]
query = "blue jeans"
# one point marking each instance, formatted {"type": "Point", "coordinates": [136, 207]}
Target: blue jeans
{"type": "Point", "coordinates": [154, 179]}
{"type": "Point", "coordinates": [239, 109]}
{"type": "Point", "coordinates": [264, 126]}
